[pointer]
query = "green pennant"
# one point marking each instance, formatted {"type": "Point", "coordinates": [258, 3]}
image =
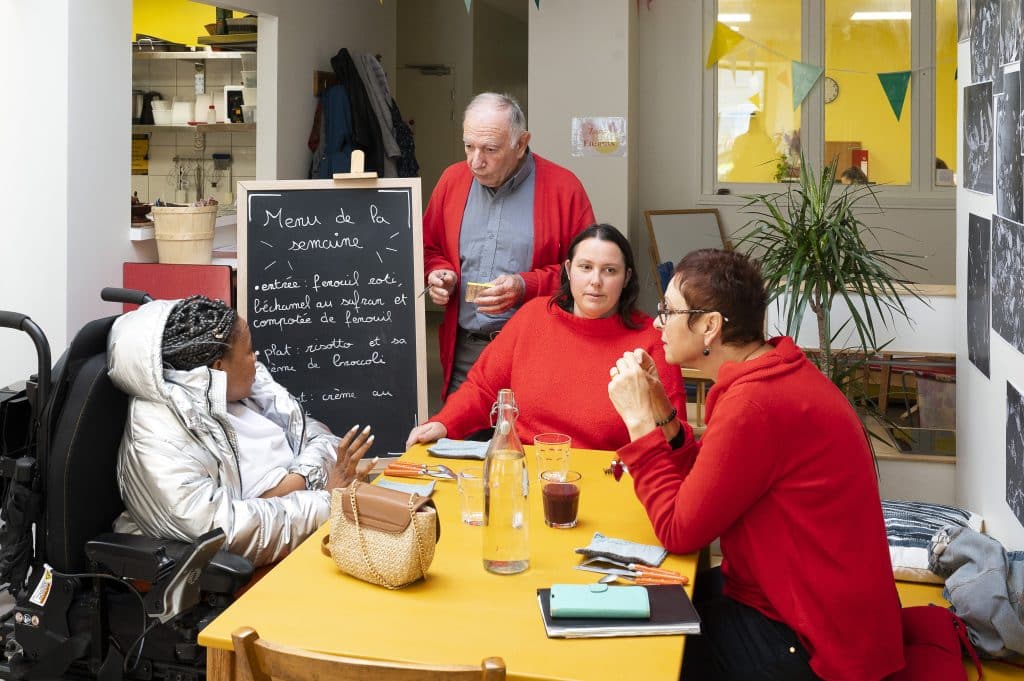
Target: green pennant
{"type": "Point", "coordinates": [895, 86]}
{"type": "Point", "coordinates": [537, 2]}
{"type": "Point", "coordinates": [469, 5]}
{"type": "Point", "coordinates": [804, 78]}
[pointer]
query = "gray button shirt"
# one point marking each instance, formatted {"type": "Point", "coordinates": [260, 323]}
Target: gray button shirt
{"type": "Point", "coordinates": [496, 239]}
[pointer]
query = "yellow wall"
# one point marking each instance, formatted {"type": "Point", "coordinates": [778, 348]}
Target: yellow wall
{"type": "Point", "coordinates": [945, 82]}
{"type": "Point", "coordinates": [862, 111]}
{"type": "Point", "coordinates": [179, 21]}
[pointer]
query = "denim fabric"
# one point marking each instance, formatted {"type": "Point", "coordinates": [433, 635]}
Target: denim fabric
{"type": "Point", "coordinates": [985, 585]}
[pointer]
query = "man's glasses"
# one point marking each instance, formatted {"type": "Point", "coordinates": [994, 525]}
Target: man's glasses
{"type": "Point", "coordinates": [664, 312]}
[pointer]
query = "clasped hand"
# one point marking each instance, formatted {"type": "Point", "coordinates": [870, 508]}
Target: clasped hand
{"type": "Point", "coordinates": [633, 389]}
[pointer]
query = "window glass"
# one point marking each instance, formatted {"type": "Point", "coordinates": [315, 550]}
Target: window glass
{"type": "Point", "coordinates": [863, 39]}
{"type": "Point", "coordinates": [758, 129]}
{"type": "Point", "coordinates": [945, 87]}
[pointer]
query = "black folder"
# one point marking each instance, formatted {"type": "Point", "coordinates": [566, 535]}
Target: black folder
{"type": "Point", "coordinates": [672, 613]}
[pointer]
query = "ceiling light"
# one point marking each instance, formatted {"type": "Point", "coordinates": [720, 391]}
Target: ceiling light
{"type": "Point", "coordinates": [880, 16]}
{"type": "Point", "coordinates": [734, 18]}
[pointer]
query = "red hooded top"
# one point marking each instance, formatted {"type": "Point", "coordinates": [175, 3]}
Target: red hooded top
{"type": "Point", "coordinates": [784, 475]}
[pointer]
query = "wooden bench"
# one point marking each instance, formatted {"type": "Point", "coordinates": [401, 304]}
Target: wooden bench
{"type": "Point", "coordinates": [912, 593]}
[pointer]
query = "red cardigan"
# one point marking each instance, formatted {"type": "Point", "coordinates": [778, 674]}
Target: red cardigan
{"type": "Point", "coordinates": [561, 210]}
{"type": "Point", "coordinates": [784, 476]}
{"type": "Point", "coordinates": [557, 365]}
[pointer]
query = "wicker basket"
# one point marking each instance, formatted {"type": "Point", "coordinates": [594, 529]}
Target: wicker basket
{"type": "Point", "coordinates": [184, 235]}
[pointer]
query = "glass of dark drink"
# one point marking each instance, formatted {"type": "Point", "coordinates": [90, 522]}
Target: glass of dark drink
{"type": "Point", "coordinates": [561, 493]}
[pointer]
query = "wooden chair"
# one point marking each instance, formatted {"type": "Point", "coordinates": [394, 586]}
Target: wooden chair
{"type": "Point", "coordinates": [261, 660]}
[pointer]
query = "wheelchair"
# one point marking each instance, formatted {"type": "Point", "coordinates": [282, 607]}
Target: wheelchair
{"type": "Point", "coordinates": [81, 608]}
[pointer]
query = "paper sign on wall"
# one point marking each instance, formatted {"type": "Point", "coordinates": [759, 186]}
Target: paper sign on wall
{"type": "Point", "coordinates": [598, 136]}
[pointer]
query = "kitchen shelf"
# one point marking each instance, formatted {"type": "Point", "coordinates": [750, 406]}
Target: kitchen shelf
{"type": "Point", "coordinates": [192, 56]}
{"type": "Point", "coordinates": [229, 41]}
{"type": "Point", "coordinates": [203, 128]}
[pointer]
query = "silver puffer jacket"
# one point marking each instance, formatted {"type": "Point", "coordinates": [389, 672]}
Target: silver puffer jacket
{"type": "Point", "coordinates": [177, 465]}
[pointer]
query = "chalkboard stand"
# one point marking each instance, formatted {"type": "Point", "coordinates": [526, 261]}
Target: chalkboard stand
{"type": "Point", "coordinates": [328, 272]}
{"type": "Point", "coordinates": [356, 166]}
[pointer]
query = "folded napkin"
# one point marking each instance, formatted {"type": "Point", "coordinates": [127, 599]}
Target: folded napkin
{"type": "Point", "coordinates": [458, 449]}
{"type": "Point", "coordinates": [623, 551]}
{"type": "Point", "coordinates": [424, 489]}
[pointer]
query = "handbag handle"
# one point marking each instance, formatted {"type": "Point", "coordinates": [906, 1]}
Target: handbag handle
{"type": "Point", "coordinates": [965, 643]}
{"type": "Point", "coordinates": [362, 538]}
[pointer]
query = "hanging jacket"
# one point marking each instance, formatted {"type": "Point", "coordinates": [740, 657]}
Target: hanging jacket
{"type": "Point", "coordinates": [365, 129]}
{"type": "Point", "coordinates": [985, 586]}
{"type": "Point", "coordinates": [376, 83]}
{"type": "Point", "coordinates": [334, 150]}
{"type": "Point", "coordinates": [407, 165]}
{"type": "Point", "coordinates": [177, 465]}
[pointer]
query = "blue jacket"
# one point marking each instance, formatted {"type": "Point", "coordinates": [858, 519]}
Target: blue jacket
{"type": "Point", "coordinates": [985, 585]}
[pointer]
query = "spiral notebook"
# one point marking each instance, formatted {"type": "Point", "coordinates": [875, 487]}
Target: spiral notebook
{"type": "Point", "coordinates": [672, 613]}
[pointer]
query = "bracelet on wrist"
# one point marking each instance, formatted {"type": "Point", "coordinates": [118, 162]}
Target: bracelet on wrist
{"type": "Point", "coordinates": [668, 419]}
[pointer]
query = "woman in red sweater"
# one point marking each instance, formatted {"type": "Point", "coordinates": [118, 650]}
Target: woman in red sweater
{"type": "Point", "coordinates": [554, 351]}
{"type": "Point", "coordinates": [783, 475]}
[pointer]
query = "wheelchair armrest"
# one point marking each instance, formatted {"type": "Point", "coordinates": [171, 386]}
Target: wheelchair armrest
{"type": "Point", "coordinates": [149, 559]}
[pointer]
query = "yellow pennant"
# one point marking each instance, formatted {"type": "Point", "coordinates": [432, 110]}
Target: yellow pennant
{"type": "Point", "coordinates": [723, 43]}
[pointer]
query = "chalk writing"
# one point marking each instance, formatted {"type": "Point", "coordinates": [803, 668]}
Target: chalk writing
{"type": "Point", "coordinates": [327, 269]}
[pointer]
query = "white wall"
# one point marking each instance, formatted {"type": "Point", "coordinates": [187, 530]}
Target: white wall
{"type": "Point", "coordinates": [933, 325]}
{"type": "Point", "coordinates": [981, 401]}
{"type": "Point", "coordinates": [580, 65]}
{"type": "Point", "coordinates": [64, 239]}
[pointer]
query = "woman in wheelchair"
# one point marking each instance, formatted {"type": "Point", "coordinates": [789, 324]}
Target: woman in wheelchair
{"type": "Point", "coordinates": [211, 440]}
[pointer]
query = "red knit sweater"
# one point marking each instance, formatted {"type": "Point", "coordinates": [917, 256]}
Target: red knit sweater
{"type": "Point", "coordinates": [557, 365]}
{"type": "Point", "coordinates": [784, 476]}
{"type": "Point", "coordinates": [561, 210]}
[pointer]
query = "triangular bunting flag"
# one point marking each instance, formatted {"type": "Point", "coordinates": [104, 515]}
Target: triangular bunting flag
{"type": "Point", "coordinates": [722, 44]}
{"type": "Point", "coordinates": [537, 2]}
{"type": "Point", "coordinates": [804, 78]}
{"type": "Point", "coordinates": [469, 5]}
{"type": "Point", "coordinates": [895, 86]}
{"type": "Point", "coordinates": [755, 99]}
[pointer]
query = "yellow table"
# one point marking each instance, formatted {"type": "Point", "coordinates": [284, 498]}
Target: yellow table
{"type": "Point", "coordinates": [460, 614]}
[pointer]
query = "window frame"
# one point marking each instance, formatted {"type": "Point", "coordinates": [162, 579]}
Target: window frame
{"type": "Point", "coordinates": [921, 192]}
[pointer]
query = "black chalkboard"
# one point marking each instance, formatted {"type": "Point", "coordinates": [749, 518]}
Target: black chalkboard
{"type": "Point", "coordinates": [328, 277]}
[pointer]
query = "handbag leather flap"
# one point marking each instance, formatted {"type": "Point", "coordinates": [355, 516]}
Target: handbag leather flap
{"type": "Point", "coordinates": [380, 508]}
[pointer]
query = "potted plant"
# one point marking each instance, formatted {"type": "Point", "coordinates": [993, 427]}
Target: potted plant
{"type": "Point", "coordinates": [787, 163]}
{"type": "Point", "coordinates": [817, 253]}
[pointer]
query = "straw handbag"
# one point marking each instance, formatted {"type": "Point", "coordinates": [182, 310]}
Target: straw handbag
{"type": "Point", "coordinates": [382, 536]}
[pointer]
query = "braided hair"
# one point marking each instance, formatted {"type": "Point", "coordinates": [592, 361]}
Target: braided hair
{"type": "Point", "coordinates": [197, 332]}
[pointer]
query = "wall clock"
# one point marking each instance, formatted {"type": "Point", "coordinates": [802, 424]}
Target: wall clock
{"type": "Point", "coordinates": [831, 90]}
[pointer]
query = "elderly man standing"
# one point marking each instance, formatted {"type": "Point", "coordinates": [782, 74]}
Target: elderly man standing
{"type": "Point", "coordinates": [504, 218]}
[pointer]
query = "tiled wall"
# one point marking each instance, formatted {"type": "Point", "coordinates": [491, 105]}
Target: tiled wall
{"type": "Point", "coordinates": [176, 78]}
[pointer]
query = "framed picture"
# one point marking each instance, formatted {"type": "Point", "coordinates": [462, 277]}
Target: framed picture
{"type": "Point", "coordinates": [674, 233]}
{"type": "Point", "coordinates": [233, 103]}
